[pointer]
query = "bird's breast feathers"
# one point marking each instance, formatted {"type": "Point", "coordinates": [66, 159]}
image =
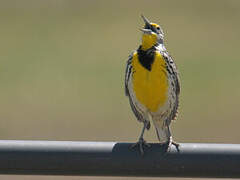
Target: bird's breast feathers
{"type": "Point", "coordinates": [150, 86]}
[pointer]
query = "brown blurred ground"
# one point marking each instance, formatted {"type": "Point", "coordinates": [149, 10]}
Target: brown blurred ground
{"type": "Point", "coordinates": [62, 67]}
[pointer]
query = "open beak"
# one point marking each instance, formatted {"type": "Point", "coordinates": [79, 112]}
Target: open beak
{"type": "Point", "coordinates": [146, 31]}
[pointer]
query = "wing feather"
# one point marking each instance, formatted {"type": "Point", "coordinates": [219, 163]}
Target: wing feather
{"type": "Point", "coordinates": [171, 66]}
{"type": "Point", "coordinates": [128, 74]}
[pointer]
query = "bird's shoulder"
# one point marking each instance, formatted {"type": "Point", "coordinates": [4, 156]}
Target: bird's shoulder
{"type": "Point", "coordinates": [171, 68]}
{"type": "Point", "coordinates": [128, 71]}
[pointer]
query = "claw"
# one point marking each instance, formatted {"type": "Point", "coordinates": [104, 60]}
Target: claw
{"type": "Point", "coordinates": [170, 143]}
{"type": "Point", "coordinates": [141, 143]}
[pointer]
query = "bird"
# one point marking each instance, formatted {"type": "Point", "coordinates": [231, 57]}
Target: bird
{"type": "Point", "coordinates": [152, 85]}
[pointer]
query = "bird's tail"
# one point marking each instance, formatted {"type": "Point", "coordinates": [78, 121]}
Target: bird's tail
{"type": "Point", "coordinates": [162, 129]}
{"type": "Point", "coordinates": [163, 134]}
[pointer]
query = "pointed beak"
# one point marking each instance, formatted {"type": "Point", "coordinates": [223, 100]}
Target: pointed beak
{"type": "Point", "coordinates": [147, 22]}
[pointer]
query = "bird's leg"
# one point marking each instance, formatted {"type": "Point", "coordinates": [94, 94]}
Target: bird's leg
{"type": "Point", "coordinates": [141, 142]}
{"type": "Point", "coordinates": [171, 142]}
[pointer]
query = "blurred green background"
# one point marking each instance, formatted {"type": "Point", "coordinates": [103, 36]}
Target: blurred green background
{"type": "Point", "coordinates": [62, 66]}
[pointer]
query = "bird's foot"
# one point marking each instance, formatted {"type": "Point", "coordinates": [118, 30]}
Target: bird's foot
{"type": "Point", "coordinates": [170, 143]}
{"type": "Point", "coordinates": [141, 143]}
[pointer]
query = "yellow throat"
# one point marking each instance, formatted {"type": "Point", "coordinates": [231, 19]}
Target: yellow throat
{"type": "Point", "coordinates": [148, 41]}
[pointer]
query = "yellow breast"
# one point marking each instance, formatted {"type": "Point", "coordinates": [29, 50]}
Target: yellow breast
{"type": "Point", "coordinates": [150, 87]}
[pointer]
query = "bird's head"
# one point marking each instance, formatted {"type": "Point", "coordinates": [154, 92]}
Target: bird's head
{"type": "Point", "coordinates": [152, 34]}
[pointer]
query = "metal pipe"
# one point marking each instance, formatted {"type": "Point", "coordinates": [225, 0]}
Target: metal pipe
{"type": "Point", "coordinates": [116, 159]}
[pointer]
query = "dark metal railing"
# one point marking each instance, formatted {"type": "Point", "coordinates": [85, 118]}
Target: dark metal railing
{"type": "Point", "coordinates": [116, 159]}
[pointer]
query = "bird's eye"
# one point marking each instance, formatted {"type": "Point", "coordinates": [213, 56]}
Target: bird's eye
{"type": "Point", "coordinates": [158, 28]}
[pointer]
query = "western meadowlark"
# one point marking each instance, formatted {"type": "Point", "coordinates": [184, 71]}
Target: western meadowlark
{"type": "Point", "coordinates": [152, 85]}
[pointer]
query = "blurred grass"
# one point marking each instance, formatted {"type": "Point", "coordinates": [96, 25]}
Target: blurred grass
{"type": "Point", "coordinates": [62, 67]}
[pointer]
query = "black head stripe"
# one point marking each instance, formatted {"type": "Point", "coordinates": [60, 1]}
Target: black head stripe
{"type": "Point", "coordinates": [147, 26]}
